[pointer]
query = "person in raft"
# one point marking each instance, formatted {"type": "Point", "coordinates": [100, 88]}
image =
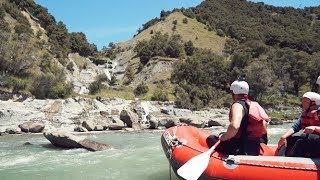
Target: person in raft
{"type": "Point", "coordinates": [247, 127]}
{"type": "Point", "coordinates": [308, 143]}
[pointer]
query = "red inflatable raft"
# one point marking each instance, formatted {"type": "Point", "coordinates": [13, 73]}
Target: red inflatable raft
{"type": "Point", "coordinates": [181, 143]}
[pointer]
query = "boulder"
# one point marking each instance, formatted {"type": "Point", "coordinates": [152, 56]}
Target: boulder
{"type": "Point", "coordinates": [115, 112]}
{"type": "Point", "coordinates": [195, 121]}
{"type": "Point", "coordinates": [128, 117]}
{"type": "Point", "coordinates": [33, 127]}
{"type": "Point", "coordinates": [13, 130]}
{"type": "Point", "coordinates": [80, 129]}
{"type": "Point", "coordinates": [98, 128]}
{"type": "Point", "coordinates": [154, 122]}
{"type": "Point", "coordinates": [115, 126]}
{"type": "Point", "coordinates": [168, 122]}
{"type": "Point", "coordinates": [67, 140]}
{"type": "Point", "coordinates": [89, 125]}
{"type": "Point", "coordinates": [63, 139]}
{"type": "Point", "coordinates": [93, 145]}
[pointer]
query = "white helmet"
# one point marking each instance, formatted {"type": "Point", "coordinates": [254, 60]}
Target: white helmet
{"type": "Point", "coordinates": [318, 81]}
{"type": "Point", "coordinates": [313, 97]}
{"type": "Point", "coordinates": [239, 87]}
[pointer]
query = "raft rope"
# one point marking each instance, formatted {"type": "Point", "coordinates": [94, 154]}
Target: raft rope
{"type": "Point", "coordinates": [255, 164]}
{"type": "Point", "coordinates": [176, 142]}
{"type": "Point", "coordinates": [173, 143]}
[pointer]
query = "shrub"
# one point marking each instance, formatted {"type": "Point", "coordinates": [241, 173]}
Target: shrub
{"type": "Point", "coordinates": [185, 21]}
{"type": "Point", "coordinates": [17, 84]}
{"type": "Point", "coordinates": [175, 22]}
{"type": "Point", "coordinates": [50, 86]}
{"type": "Point", "coordinates": [22, 29]}
{"type": "Point", "coordinates": [141, 89]}
{"type": "Point", "coordinates": [70, 66]}
{"type": "Point", "coordinates": [97, 85]}
{"type": "Point", "coordinates": [220, 32]}
{"type": "Point", "coordinates": [62, 90]}
{"type": "Point", "coordinates": [160, 95]}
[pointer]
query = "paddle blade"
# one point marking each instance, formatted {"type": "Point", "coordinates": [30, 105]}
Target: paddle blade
{"type": "Point", "coordinates": [193, 169]}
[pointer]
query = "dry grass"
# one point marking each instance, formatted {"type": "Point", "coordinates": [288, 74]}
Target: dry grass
{"type": "Point", "coordinates": [79, 60]}
{"type": "Point", "coordinates": [192, 31]}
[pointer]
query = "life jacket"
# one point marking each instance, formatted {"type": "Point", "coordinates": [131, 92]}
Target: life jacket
{"type": "Point", "coordinates": [310, 118]}
{"type": "Point", "coordinates": [254, 122]}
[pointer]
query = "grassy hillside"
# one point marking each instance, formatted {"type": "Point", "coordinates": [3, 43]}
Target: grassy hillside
{"type": "Point", "coordinates": [158, 71]}
{"type": "Point", "coordinates": [193, 30]}
{"type": "Point", "coordinates": [34, 50]}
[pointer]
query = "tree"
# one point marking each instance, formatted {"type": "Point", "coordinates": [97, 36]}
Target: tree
{"type": "Point", "coordinates": [185, 20]}
{"type": "Point", "coordinates": [189, 48]}
{"type": "Point", "coordinates": [260, 79]}
{"type": "Point", "coordinates": [141, 89]}
{"type": "Point", "coordinates": [80, 44]}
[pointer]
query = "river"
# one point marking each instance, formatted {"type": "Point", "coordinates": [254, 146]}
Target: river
{"type": "Point", "coordinates": [134, 156]}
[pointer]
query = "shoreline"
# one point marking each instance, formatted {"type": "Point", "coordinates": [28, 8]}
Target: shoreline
{"type": "Point", "coordinates": [125, 131]}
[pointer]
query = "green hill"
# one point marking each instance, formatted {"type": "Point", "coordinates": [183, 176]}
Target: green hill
{"type": "Point", "coordinates": [158, 71]}
{"type": "Point", "coordinates": [276, 48]}
{"type": "Point", "coordinates": [34, 50]}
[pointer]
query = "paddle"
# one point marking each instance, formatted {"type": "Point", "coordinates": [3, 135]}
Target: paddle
{"type": "Point", "coordinates": [193, 169]}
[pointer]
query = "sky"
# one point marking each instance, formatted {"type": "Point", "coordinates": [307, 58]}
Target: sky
{"type": "Point", "coordinates": [105, 21]}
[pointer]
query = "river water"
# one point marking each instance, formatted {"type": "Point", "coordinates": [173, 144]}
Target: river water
{"type": "Point", "coordinates": [134, 156]}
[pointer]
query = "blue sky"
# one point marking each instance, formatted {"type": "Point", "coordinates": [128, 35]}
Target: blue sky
{"type": "Point", "coordinates": [105, 21]}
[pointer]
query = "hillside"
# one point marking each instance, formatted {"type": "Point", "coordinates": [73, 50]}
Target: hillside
{"type": "Point", "coordinates": [276, 48]}
{"type": "Point", "coordinates": [160, 68]}
{"type": "Point", "coordinates": [34, 51]}
{"type": "Point", "coordinates": [191, 31]}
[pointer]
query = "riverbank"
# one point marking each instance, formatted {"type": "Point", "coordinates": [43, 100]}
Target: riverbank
{"type": "Point", "coordinates": [80, 114]}
{"type": "Point", "coordinates": [85, 115]}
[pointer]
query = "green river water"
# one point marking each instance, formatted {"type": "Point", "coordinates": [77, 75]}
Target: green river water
{"type": "Point", "coordinates": [134, 156]}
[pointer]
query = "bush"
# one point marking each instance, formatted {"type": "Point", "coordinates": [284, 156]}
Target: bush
{"type": "Point", "coordinates": [50, 86]}
{"type": "Point", "coordinates": [70, 66]}
{"type": "Point", "coordinates": [141, 89]}
{"type": "Point", "coordinates": [62, 90]}
{"type": "Point", "coordinates": [189, 48]}
{"type": "Point", "coordinates": [220, 33]}
{"type": "Point", "coordinates": [185, 20]}
{"type": "Point", "coordinates": [14, 83]}
{"type": "Point", "coordinates": [22, 29]}
{"type": "Point", "coordinates": [175, 22]}
{"type": "Point", "coordinates": [160, 95]}
{"type": "Point", "coordinates": [97, 85]}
